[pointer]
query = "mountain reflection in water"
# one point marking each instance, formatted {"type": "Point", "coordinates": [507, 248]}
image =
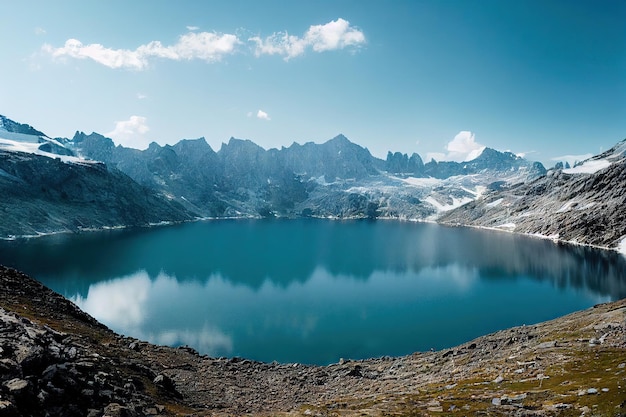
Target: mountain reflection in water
{"type": "Point", "coordinates": [313, 291]}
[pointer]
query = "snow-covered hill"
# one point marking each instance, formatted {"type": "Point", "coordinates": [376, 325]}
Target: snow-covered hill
{"type": "Point", "coordinates": [583, 204]}
{"type": "Point", "coordinates": [16, 137]}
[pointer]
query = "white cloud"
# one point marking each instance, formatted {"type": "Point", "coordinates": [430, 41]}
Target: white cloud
{"type": "Point", "coordinates": [40, 31]}
{"type": "Point", "coordinates": [141, 96]}
{"type": "Point", "coordinates": [462, 148]}
{"type": "Point", "coordinates": [262, 115]}
{"type": "Point", "coordinates": [131, 132]}
{"type": "Point", "coordinates": [337, 34]}
{"type": "Point", "coordinates": [210, 47]}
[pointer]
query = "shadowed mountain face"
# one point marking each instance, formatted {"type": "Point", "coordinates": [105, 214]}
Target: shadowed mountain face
{"type": "Point", "coordinates": [43, 195]}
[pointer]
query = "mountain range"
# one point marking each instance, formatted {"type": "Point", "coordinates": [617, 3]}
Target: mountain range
{"type": "Point", "coordinates": [87, 182]}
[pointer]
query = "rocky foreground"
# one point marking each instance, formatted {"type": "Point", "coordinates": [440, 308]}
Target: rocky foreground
{"type": "Point", "coordinates": [56, 360]}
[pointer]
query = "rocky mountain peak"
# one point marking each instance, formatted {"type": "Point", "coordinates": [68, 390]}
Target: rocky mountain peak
{"type": "Point", "coordinates": [199, 144]}
{"type": "Point", "coordinates": [14, 127]}
{"type": "Point", "coordinates": [239, 145]}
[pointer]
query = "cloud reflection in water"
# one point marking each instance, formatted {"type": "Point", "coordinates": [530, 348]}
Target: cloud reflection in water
{"type": "Point", "coordinates": [316, 321]}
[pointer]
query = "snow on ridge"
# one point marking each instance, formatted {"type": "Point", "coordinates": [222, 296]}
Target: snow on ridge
{"type": "Point", "coordinates": [494, 203]}
{"type": "Point", "coordinates": [33, 148]}
{"type": "Point", "coordinates": [590, 166]}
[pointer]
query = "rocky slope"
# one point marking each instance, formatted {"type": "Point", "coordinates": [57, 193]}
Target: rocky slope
{"type": "Point", "coordinates": [57, 361]}
{"type": "Point", "coordinates": [43, 195]}
{"type": "Point", "coordinates": [46, 188]}
{"type": "Point", "coordinates": [584, 204]}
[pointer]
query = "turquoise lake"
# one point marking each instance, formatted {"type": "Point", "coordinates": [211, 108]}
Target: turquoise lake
{"type": "Point", "coordinates": [314, 291]}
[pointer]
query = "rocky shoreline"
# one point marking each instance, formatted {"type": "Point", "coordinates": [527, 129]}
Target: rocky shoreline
{"type": "Point", "coordinates": [55, 360]}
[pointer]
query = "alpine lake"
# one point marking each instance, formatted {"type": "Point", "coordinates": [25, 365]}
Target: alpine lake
{"type": "Point", "coordinates": [313, 291]}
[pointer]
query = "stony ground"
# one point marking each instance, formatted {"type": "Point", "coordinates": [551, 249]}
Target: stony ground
{"type": "Point", "coordinates": [55, 360]}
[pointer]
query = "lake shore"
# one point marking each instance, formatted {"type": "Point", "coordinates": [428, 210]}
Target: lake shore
{"type": "Point", "coordinates": [55, 357]}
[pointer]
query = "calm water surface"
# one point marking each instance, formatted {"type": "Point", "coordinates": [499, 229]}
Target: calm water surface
{"type": "Point", "coordinates": [314, 291]}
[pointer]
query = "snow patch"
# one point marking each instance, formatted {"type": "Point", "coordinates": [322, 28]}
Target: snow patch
{"type": "Point", "coordinates": [477, 192]}
{"type": "Point", "coordinates": [587, 206]}
{"type": "Point", "coordinates": [589, 167]}
{"type": "Point", "coordinates": [507, 226]}
{"type": "Point", "coordinates": [421, 182]}
{"type": "Point", "coordinates": [494, 203]}
{"type": "Point", "coordinates": [565, 207]}
{"type": "Point", "coordinates": [621, 248]}
{"type": "Point", "coordinates": [33, 148]}
{"type": "Point", "coordinates": [456, 202]}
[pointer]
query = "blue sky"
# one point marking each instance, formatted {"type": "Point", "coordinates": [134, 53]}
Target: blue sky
{"type": "Point", "coordinates": [441, 78]}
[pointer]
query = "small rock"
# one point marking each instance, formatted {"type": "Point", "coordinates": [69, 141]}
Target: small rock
{"type": "Point", "coordinates": [496, 401]}
{"type": "Point", "coordinates": [101, 377]}
{"type": "Point", "coordinates": [605, 390]}
{"type": "Point", "coordinates": [450, 386]}
{"type": "Point", "coordinates": [498, 380]}
{"type": "Point", "coordinates": [116, 410]}
{"type": "Point", "coordinates": [592, 391]}
{"type": "Point", "coordinates": [42, 396]}
{"type": "Point", "coordinates": [165, 382]}
{"type": "Point", "coordinates": [16, 385]}
{"type": "Point", "coordinates": [72, 352]}
{"type": "Point", "coordinates": [546, 345]}
{"type": "Point", "coordinates": [7, 408]}
{"type": "Point", "coordinates": [434, 406]}
{"type": "Point", "coordinates": [621, 365]}
{"type": "Point", "coordinates": [356, 371]}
